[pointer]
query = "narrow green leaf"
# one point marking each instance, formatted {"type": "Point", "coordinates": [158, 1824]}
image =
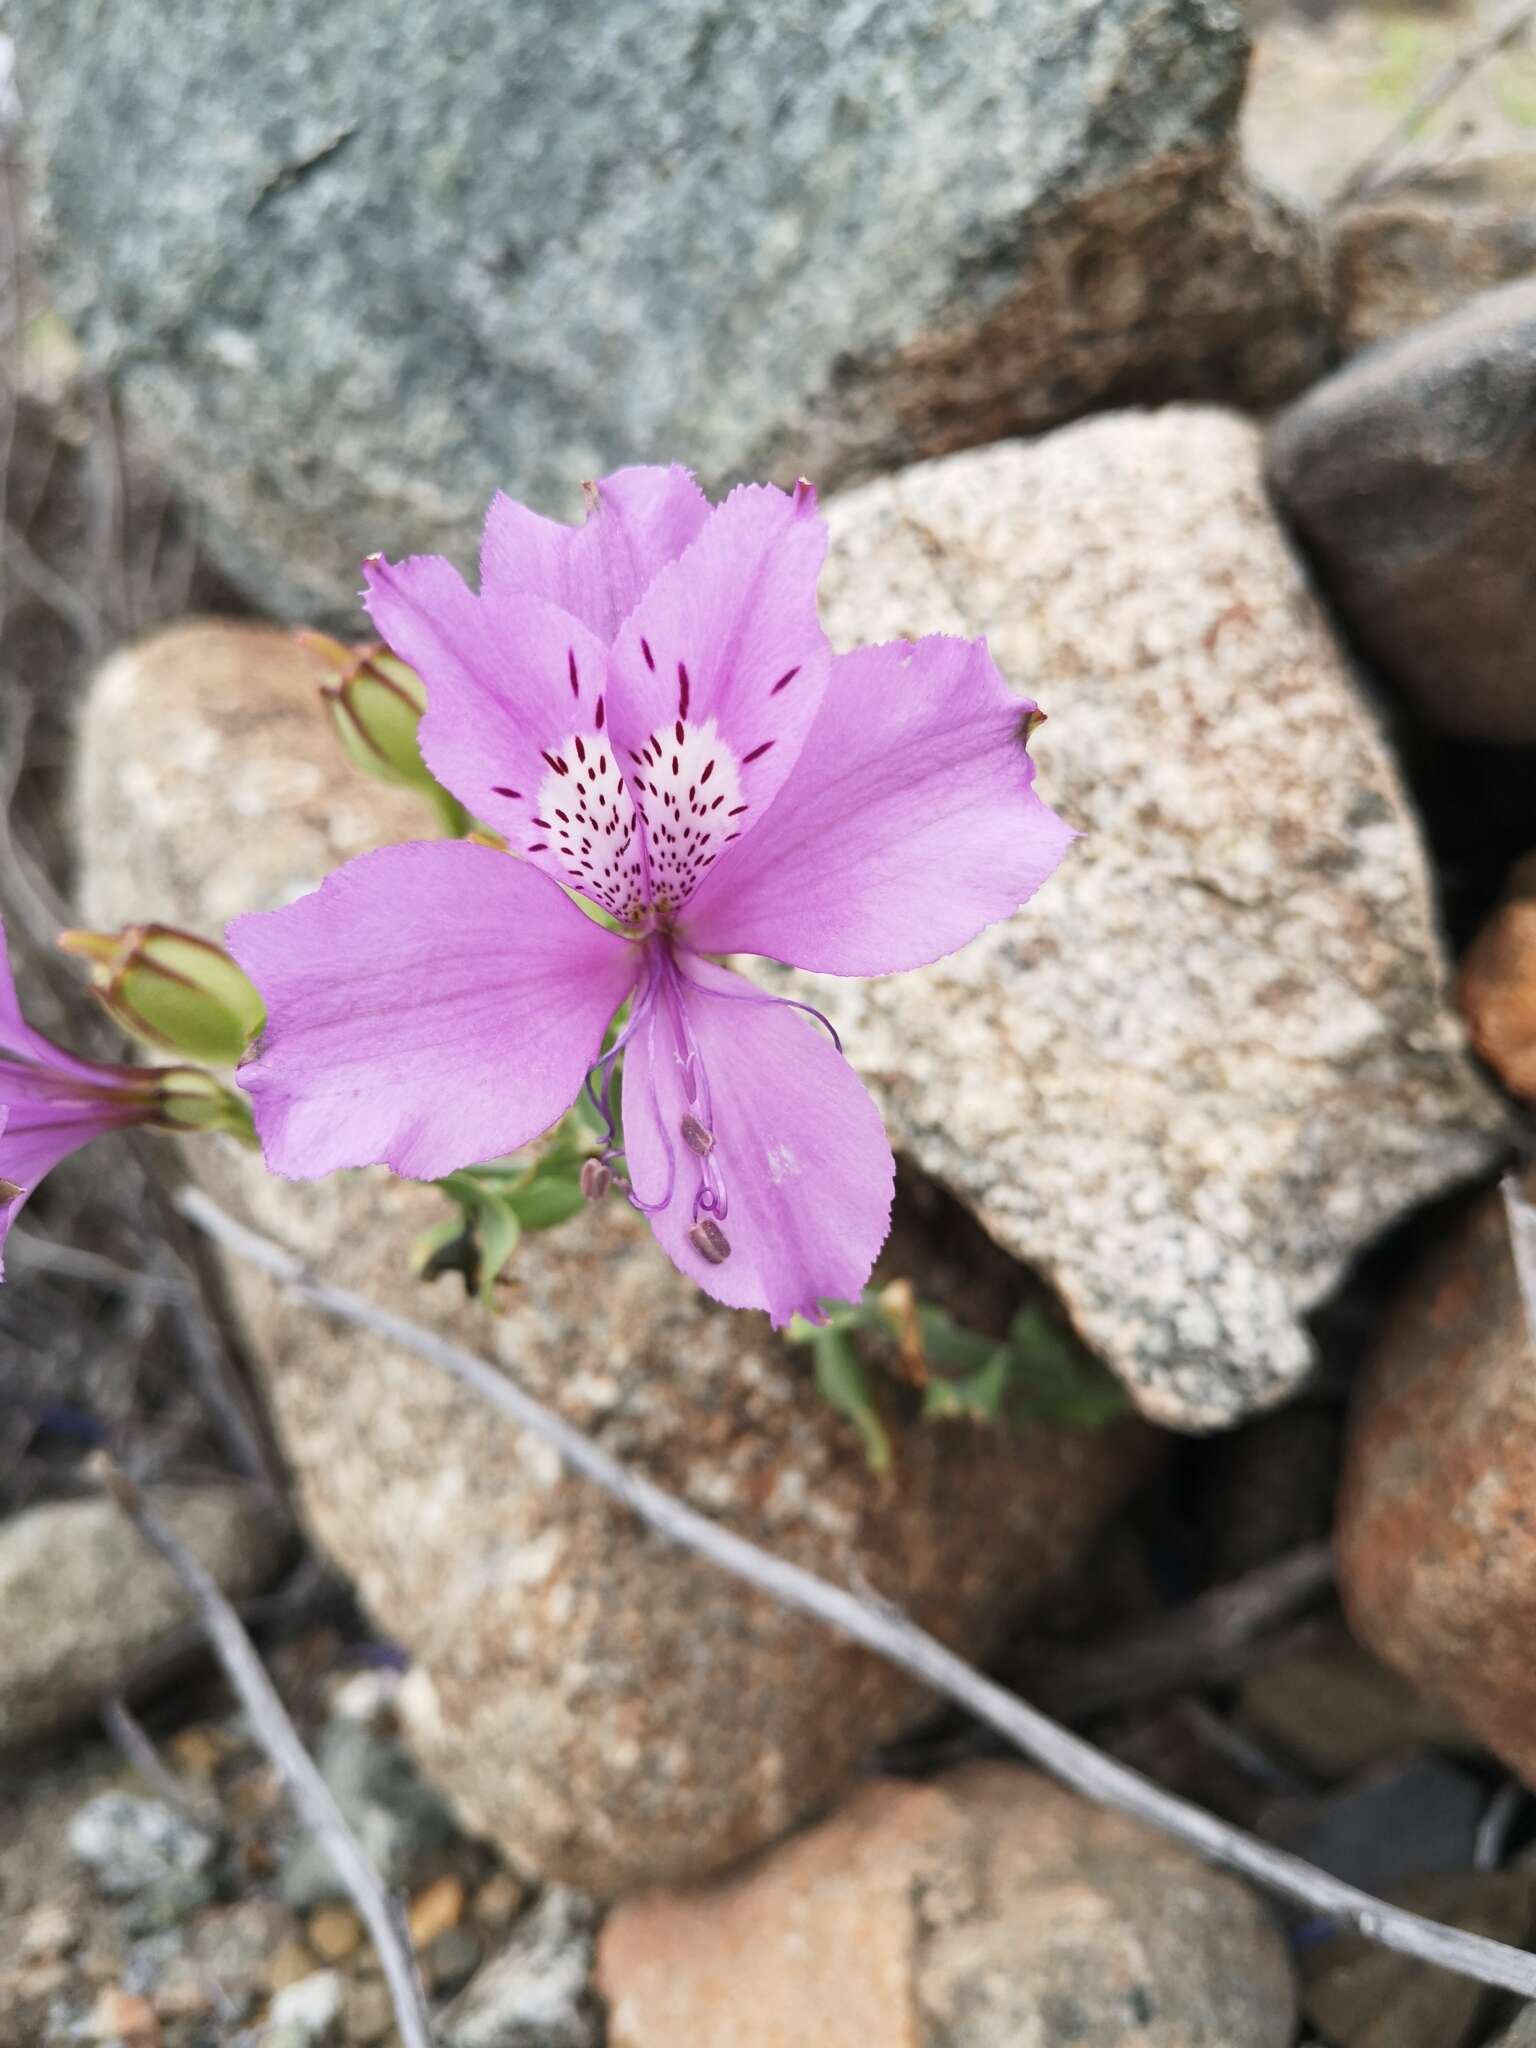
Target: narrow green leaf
{"type": "Point", "coordinates": [843, 1384]}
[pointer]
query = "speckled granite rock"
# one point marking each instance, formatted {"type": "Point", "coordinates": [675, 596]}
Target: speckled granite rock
{"type": "Point", "coordinates": [81, 1599]}
{"type": "Point", "coordinates": [1214, 1058]}
{"type": "Point", "coordinates": [357, 267]}
{"type": "Point", "coordinates": [606, 1707]}
{"type": "Point", "coordinates": [988, 1909]}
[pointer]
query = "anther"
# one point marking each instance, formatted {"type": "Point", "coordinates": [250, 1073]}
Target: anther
{"type": "Point", "coordinates": [596, 1179]}
{"type": "Point", "coordinates": [710, 1241]}
{"type": "Point", "coordinates": [696, 1136]}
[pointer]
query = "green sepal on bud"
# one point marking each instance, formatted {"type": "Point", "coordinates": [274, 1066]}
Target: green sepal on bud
{"type": "Point", "coordinates": [187, 1099]}
{"type": "Point", "coordinates": [172, 990]}
{"type": "Point", "coordinates": [376, 704]}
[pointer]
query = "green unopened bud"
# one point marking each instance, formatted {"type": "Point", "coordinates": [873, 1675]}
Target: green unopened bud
{"type": "Point", "coordinates": [187, 1099]}
{"type": "Point", "coordinates": [376, 704]}
{"type": "Point", "coordinates": [172, 990]}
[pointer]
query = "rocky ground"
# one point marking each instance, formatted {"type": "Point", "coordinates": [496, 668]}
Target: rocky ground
{"type": "Point", "coordinates": [1208, 397]}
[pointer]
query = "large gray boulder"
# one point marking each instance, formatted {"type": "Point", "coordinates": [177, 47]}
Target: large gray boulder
{"type": "Point", "coordinates": [355, 266]}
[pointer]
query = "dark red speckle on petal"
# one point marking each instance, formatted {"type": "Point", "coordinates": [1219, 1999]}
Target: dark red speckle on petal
{"type": "Point", "coordinates": [756, 754]}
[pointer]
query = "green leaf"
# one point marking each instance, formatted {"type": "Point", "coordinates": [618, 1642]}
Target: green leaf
{"type": "Point", "coordinates": [843, 1384]}
{"type": "Point", "coordinates": [982, 1394]}
{"type": "Point", "coordinates": [499, 1230]}
{"type": "Point", "coordinates": [547, 1199]}
{"type": "Point", "coordinates": [1057, 1381]}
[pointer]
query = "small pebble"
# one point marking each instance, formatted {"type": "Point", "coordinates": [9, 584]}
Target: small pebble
{"type": "Point", "coordinates": [49, 1930]}
{"type": "Point", "coordinates": [451, 1960]}
{"type": "Point", "coordinates": [130, 1845]}
{"type": "Point", "coordinates": [289, 1964]}
{"type": "Point", "coordinates": [119, 2015]}
{"type": "Point", "coordinates": [200, 1750]}
{"type": "Point", "coordinates": [435, 1910]}
{"type": "Point", "coordinates": [370, 2013]}
{"type": "Point", "coordinates": [499, 1901]}
{"type": "Point", "coordinates": [334, 1933]}
{"type": "Point", "coordinates": [312, 2006]}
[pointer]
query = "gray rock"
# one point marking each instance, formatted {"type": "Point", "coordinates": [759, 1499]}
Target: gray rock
{"type": "Point", "coordinates": [310, 2009]}
{"type": "Point", "coordinates": [1214, 1058]}
{"type": "Point", "coordinates": [537, 1993]}
{"type": "Point", "coordinates": [82, 1599]}
{"type": "Point", "coordinates": [1399, 1824]}
{"type": "Point", "coordinates": [985, 1909]}
{"type": "Point", "coordinates": [357, 267]}
{"type": "Point", "coordinates": [1411, 477]}
{"type": "Point", "coordinates": [134, 1845]}
{"type": "Point", "coordinates": [400, 1821]}
{"type": "Point", "coordinates": [607, 1708]}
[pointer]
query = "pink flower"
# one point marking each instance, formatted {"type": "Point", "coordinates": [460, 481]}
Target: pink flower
{"type": "Point", "coordinates": [52, 1103]}
{"type": "Point", "coordinates": [646, 708]}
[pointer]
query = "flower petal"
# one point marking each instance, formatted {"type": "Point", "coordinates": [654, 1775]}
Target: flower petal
{"type": "Point", "coordinates": [908, 825]}
{"type": "Point", "coordinates": [516, 722]}
{"type": "Point", "coordinates": [637, 521]}
{"type": "Point", "coordinates": [34, 1137]}
{"type": "Point", "coordinates": [427, 1006]}
{"type": "Point", "coordinates": [799, 1146]}
{"type": "Point", "coordinates": [18, 1037]}
{"type": "Point", "coordinates": [718, 674]}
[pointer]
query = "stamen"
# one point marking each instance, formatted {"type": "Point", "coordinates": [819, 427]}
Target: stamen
{"type": "Point", "coordinates": [696, 1136]}
{"type": "Point", "coordinates": [710, 1241]}
{"type": "Point", "coordinates": [596, 1179]}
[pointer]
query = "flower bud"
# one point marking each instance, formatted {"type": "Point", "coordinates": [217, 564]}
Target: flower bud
{"type": "Point", "coordinates": [376, 704]}
{"type": "Point", "coordinates": [187, 1099]}
{"type": "Point", "coordinates": [172, 990]}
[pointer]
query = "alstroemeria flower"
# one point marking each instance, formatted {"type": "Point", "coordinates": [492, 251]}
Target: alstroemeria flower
{"type": "Point", "coordinates": [646, 708]}
{"type": "Point", "coordinates": [52, 1103]}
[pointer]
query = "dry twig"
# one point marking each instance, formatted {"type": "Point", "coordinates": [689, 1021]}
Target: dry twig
{"type": "Point", "coordinates": [1210, 1641]}
{"type": "Point", "coordinates": [382, 1914]}
{"type": "Point", "coordinates": [128, 1736]}
{"type": "Point", "coordinates": [883, 1629]}
{"type": "Point", "coordinates": [1366, 176]}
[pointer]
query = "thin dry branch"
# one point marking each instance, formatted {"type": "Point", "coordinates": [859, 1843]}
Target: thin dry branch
{"type": "Point", "coordinates": [381, 1913]}
{"type": "Point", "coordinates": [883, 1629]}
{"type": "Point", "coordinates": [1366, 176]}
{"type": "Point", "coordinates": [1210, 1641]}
{"type": "Point", "coordinates": [129, 1737]}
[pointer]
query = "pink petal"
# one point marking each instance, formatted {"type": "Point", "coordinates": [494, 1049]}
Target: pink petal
{"type": "Point", "coordinates": [18, 1037]}
{"type": "Point", "coordinates": [908, 825]}
{"type": "Point", "coordinates": [33, 1139]}
{"type": "Point", "coordinates": [637, 521]}
{"type": "Point", "coordinates": [427, 1006]}
{"type": "Point", "coordinates": [719, 673]}
{"type": "Point", "coordinates": [517, 722]}
{"type": "Point", "coordinates": [799, 1147]}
